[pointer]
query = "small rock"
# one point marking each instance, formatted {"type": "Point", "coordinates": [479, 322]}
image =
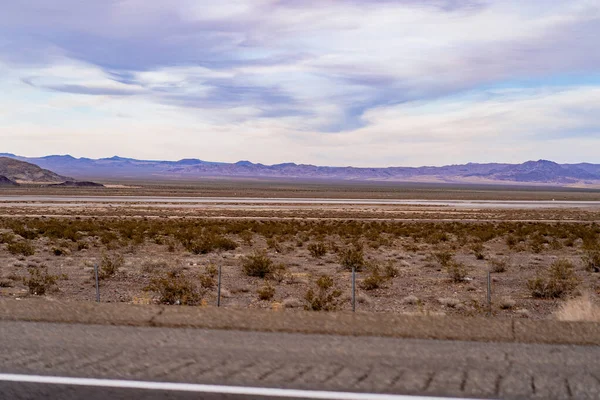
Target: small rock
{"type": "Point", "coordinates": [524, 313]}
{"type": "Point", "coordinates": [449, 302]}
{"type": "Point", "coordinates": [507, 303]}
{"type": "Point", "coordinates": [412, 300]}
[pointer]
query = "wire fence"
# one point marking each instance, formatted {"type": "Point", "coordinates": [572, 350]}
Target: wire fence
{"type": "Point", "coordinates": [352, 284]}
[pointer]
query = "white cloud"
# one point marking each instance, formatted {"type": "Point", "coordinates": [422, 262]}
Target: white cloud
{"type": "Point", "coordinates": [321, 82]}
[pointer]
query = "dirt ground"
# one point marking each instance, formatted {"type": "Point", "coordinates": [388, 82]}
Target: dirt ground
{"type": "Point", "coordinates": [409, 254]}
{"type": "Point", "coordinates": [274, 188]}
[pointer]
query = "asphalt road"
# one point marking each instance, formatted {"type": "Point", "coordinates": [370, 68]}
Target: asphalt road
{"type": "Point", "coordinates": [185, 202]}
{"type": "Point", "coordinates": [288, 361]}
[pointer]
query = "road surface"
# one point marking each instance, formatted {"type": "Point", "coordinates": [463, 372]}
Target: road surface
{"type": "Point", "coordinates": [184, 202]}
{"type": "Point", "coordinates": [283, 360]}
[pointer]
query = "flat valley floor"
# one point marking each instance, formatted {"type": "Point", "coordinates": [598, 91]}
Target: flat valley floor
{"type": "Point", "coordinates": [541, 245]}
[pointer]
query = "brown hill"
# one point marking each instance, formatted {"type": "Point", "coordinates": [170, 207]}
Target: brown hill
{"type": "Point", "coordinates": [4, 181]}
{"type": "Point", "coordinates": [20, 171]}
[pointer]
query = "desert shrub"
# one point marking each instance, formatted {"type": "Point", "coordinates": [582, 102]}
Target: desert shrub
{"type": "Point", "coordinates": [591, 260]}
{"type": "Point", "coordinates": [390, 271]}
{"type": "Point", "coordinates": [443, 257]}
{"type": "Point", "coordinates": [225, 244]}
{"type": "Point", "coordinates": [206, 281]}
{"type": "Point", "coordinates": [556, 244]}
{"type": "Point", "coordinates": [39, 280]}
{"type": "Point", "coordinates": [511, 241]}
{"type": "Point", "coordinates": [108, 237]}
{"type": "Point", "coordinates": [274, 244]}
{"type": "Point", "coordinates": [25, 233]}
{"type": "Point", "coordinates": [7, 238]}
{"type": "Point", "coordinates": [537, 242]}
{"type": "Point", "coordinates": [59, 251]}
{"type": "Point", "coordinates": [176, 289]}
{"type": "Point", "coordinates": [323, 297]}
{"type": "Point", "coordinates": [436, 237]}
{"type": "Point", "coordinates": [374, 280]}
{"type": "Point", "coordinates": [246, 237]}
{"type": "Point", "coordinates": [5, 283]}
{"type": "Point", "coordinates": [477, 249]}
{"type": "Point", "coordinates": [109, 265]}
{"type": "Point", "coordinates": [279, 273]}
{"type": "Point", "coordinates": [21, 248]}
{"type": "Point", "coordinates": [410, 247]}
{"type": "Point", "coordinates": [208, 277]}
{"type": "Point", "coordinates": [209, 243]}
{"type": "Point", "coordinates": [560, 279]}
{"type": "Point", "coordinates": [333, 247]}
{"type": "Point", "coordinates": [498, 265]}
{"type": "Point", "coordinates": [352, 257]}
{"type": "Point", "coordinates": [258, 264]}
{"type": "Point", "coordinates": [212, 270]}
{"type": "Point", "coordinates": [266, 292]}
{"type": "Point", "coordinates": [456, 271]}
{"type": "Point", "coordinates": [171, 245]}
{"type": "Point", "coordinates": [317, 250]}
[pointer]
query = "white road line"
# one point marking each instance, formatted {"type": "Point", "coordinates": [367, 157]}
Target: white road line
{"type": "Point", "coordinates": [217, 389]}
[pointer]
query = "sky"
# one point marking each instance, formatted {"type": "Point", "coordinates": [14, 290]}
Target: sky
{"type": "Point", "coordinates": [327, 82]}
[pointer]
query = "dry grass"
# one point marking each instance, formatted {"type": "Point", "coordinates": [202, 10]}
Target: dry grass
{"type": "Point", "coordinates": [584, 308]}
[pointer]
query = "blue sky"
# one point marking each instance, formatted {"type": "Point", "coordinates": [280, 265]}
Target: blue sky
{"type": "Point", "coordinates": [354, 82]}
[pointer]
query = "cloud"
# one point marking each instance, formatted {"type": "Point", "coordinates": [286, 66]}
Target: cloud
{"type": "Point", "coordinates": [378, 74]}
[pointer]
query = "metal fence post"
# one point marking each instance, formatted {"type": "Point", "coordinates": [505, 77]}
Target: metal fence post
{"type": "Point", "coordinates": [219, 288]}
{"type": "Point", "coordinates": [97, 283]}
{"type": "Point", "coordinates": [353, 289]}
{"type": "Point", "coordinates": [489, 292]}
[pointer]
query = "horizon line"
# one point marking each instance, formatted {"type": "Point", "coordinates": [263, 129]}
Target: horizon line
{"type": "Point", "coordinates": [289, 162]}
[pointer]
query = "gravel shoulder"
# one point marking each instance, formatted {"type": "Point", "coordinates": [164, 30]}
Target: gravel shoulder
{"type": "Point", "coordinates": [341, 323]}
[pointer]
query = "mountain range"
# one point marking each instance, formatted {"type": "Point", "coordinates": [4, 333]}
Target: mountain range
{"type": "Point", "coordinates": [530, 172]}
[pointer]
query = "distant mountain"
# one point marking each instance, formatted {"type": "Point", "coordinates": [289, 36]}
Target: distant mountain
{"type": "Point", "coordinates": [545, 171]}
{"type": "Point", "coordinates": [534, 172]}
{"type": "Point", "coordinates": [21, 171]}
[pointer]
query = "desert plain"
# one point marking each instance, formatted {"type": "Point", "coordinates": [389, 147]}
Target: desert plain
{"type": "Point", "coordinates": [415, 249]}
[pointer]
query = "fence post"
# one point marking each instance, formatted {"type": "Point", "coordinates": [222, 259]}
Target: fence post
{"type": "Point", "coordinates": [219, 288]}
{"type": "Point", "coordinates": [353, 289]}
{"type": "Point", "coordinates": [489, 292]}
{"type": "Point", "coordinates": [97, 283]}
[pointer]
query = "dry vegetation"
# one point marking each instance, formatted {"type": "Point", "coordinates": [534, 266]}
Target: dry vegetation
{"type": "Point", "coordinates": [415, 266]}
